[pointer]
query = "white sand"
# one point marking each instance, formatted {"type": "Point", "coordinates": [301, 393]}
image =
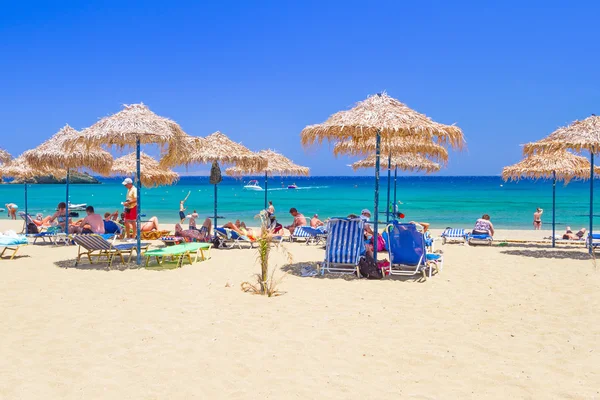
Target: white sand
{"type": "Point", "coordinates": [499, 322]}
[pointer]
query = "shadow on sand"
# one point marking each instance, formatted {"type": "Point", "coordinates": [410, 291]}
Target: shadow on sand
{"type": "Point", "coordinates": [296, 270]}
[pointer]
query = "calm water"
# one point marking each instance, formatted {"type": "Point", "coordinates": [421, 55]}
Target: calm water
{"type": "Point", "coordinates": [443, 201]}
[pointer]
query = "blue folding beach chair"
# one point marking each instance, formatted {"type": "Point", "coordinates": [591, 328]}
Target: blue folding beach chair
{"type": "Point", "coordinates": [234, 238]}
{"type": "Point", "coordinates": [345, 245]}
{"type": "Point", "coordinates": [408, 251]}
{"type": "Point", "coordinates": [312, 235]}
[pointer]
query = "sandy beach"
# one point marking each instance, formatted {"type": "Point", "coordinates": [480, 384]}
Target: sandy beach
{"type": "Point", "coordinates": [516, 321]}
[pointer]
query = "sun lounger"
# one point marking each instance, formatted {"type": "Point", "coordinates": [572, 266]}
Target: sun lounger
{"type": "Point", "coordinates": [454, 235]}
{"type": "Point", "coordinates": [479, 239]}
{"type": "Point", "coordinates": [234, 238]}
{"type": "Point", "coordinates": [12, 243]}
{"type": "Point", "coordinates": [311, 235]}
{"type": "Point", "coordinates": [344, 246]}
{"type": "Point", "coordinates": [53, 235]}
{"type": "Point", "coordinates": [95, 245]}
{"type": "Point", "coordinates": [179, 252]}
{"type": "Point", "coordinates": [408, 251]}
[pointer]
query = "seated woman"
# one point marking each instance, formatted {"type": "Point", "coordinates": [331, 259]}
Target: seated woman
{"type": "Point", "coordinates": [202, 235]}
{"type": "Point", "coordinates": [569, 235]}
{"type": "Point", "coordinates": [59, 216]}
{"type": "Point", "coordinates": [483, 226]}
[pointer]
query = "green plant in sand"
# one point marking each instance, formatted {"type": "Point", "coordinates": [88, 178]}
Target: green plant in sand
{"type": "Point", "coordinates": [265, 284]}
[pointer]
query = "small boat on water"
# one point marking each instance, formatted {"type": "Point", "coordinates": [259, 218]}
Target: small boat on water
{"type": "Point", "coordinates": [292, 186]}
{"type": "Point", "coordinates": [77, 207]}
{"type": "Point", "coordinates": [253, 185]}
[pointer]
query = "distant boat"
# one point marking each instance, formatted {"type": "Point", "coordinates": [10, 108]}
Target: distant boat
{"type": "Point", "coordinates": [77, 207]}
{"type": "Point", "coordinates": [292, 186]}
{"type": "Point", "coordinates": [253, 185]}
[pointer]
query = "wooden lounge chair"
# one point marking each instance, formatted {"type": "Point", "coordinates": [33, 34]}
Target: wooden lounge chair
{"type": "Point", "coordinates": [179, 252]}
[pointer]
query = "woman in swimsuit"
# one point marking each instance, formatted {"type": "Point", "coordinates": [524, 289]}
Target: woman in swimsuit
{"type": "Point", "coordinates": [537, 219]}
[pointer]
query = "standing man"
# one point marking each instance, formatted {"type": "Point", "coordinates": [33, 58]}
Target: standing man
{"type": "Point", "coordinates": [130, 209]}
{"type": "Point", "coordinates": [182, 208]}
{"type": "Point", "coordinates": [537, 219]}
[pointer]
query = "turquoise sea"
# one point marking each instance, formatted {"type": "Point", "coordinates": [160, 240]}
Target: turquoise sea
{"type": "Point", "coordinates": [442, 201]}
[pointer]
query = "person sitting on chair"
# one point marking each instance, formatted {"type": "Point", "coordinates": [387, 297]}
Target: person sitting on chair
{"type": "Point", "coordinates": [92, 223]}
{"type": "Point", "coordinates": [299, 220]}
{"type": "Point", "coordinates": [315, 222]}
{"type": "Point", "coordinates": [483, 226]}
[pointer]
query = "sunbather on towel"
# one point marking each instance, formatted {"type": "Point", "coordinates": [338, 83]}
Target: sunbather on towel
{"type": "Point", "coordinates": [193, 234]}
{"type": "Point", "coordinates": [483, 226]}
{"type": "Point", "coordinates": [569, 235]}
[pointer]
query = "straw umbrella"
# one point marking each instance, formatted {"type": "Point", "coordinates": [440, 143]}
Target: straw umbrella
{"type": "Point", "coordinates": [152, 173]}
{"type": "Point", "coordinates": [278, 164]}
{"type": "Point", "coordinates": [559, 165]}
{"type": "Point", "coordinates": [580, 136]}
{"type": "Point", "coordinates": [52, 154]}
{"type": "Point", "coordinates": [5, 156]}
{"type": "Point", "coordinates": [19, 168]}
{"type": "Point", "coordinates": [131, 127]}
{"type": "Point", "coordinates": [396, 146]}
{"type": "Point", "coordinates": [216, 148]}
{"type": "Point", "coordinates": [376, 118]}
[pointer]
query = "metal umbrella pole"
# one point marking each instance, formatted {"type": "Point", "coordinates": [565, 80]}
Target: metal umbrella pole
{"type": "Point", "coordinates": [266, 184]}
{"type": "Point", "coordinates": [395, 184]}
{"type": "Point", "coordinates": [591, 199]}
{"type": "Point", "coordinates": [377, 156]}
{"type": "Point", "coordinates": [26, 212]}
{"type": "Point", "coordinates": [387, 215]}
{"type": "Point", "coordinates": [139, 203]}
{"type": "Point", "coordinates": [553, 208]}
{"type": "Point", "coordinates": [215, 216]}
{"type": "Point", "coordinates": [67, 203]}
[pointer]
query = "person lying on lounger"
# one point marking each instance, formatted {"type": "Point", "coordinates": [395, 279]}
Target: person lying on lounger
{"type": "Point", "coordinates": [569, 235]}
{"type": "Point", "coordinates": [202, 235]}
{"type": "Point", "coordinates": [241, 229]}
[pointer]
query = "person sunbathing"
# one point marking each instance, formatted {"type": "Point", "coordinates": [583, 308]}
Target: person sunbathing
{"type": "Point", "coordinates": [241, 229]}
{"type": "Point", "coordinates": [150, 225]}
{"type": "Point", "coordinates": [111, 217]}
{"type": "Point", "coordinates": [202, 235]}
{"type": "Point", "coordinates": [421, 226]}
{"type": "Point", "coordinates": [315, 222]}
{"type": "Point", "coordinates": [569, 235]}
{"type": "Point", "coordinates": [92, 223]}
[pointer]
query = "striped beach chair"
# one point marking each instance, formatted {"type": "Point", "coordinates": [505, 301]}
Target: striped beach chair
{"type": "Point", "coordinates": [95, 245]}
{"type": "Point", "coordinates": [408, 251]}
{"type": "Point", "coordinates": [344, 246]}
{"type": "Point", "coordinates": [454, 235]}
{"type": "Point", "coordinates": [310, 234]}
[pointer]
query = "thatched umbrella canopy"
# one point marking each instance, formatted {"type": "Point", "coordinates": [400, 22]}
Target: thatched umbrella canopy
{"type": "Point", "coordinates": [53, 153]}
{"type": "Point", "coordinates": [131, 127]}
{"type": "Point", "coordinates": [215, 147]}
{"type": "Point", "coordinates": [405, 162]}
{"type": "Point", "coordinates": [556, 165]}
{"type": "Point", "coordinates": [381, 114]}
{"type": "Point", "coordinates": [5, 156]}
{"type": "Point", "coordinates": [392, 147]}
{"type": "Point", "coordinates": [277, 164]}
{"type": "Point", "coordinates": [579, 136]}
{"type": "Point", "coordinates": [559, 164]}
{"type": "Point", "coordinates": [380, 117]}
{"type": "Point", "coordinates": [20, 169]}
{"type": "Point", "coordinates": [152, 173]}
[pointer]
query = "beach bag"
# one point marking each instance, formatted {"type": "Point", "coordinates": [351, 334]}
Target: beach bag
{"type": "Point", "coordinates": [380, 243]}
{"type": "Point", "coordinates": [219, 243]}
{"type": "Point", "coordinates": [368, 268]}
{"type": "Point", "coordinates": [215, 174]}
{"type": "Point", "coordinates": [32, 228]}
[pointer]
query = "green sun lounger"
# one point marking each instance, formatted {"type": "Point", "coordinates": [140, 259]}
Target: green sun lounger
{"type": "Point", "coordinates": [179, 252]}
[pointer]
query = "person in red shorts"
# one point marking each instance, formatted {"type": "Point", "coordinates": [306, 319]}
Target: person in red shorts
{"type": "Point", "coordinates": [130, 208]}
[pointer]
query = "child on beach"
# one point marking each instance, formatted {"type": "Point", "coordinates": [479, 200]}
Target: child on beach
{"type": "Point", "coordinates": [182, 207]}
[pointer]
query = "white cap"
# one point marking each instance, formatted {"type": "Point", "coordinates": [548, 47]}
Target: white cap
{"type": "Point", "coordinates": [127, 181]}
{"type": "Point", "coordinates": [365, 211]}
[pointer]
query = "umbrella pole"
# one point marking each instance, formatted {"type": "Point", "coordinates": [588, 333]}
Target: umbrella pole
{"type": "Point", "coordinates": [591, 198]}
{"type": "Point", "coordinates": [139, 203]}
{"type": "Point", "coordinates": [395, 182]}
{"type": "Point", "coordinates": [26, 213]}
{"type": "Point", "coordinates": [553, 208]}
{"type": "Point", "coordinates": [377, 155]}
{"type": "Point", "coordinates": [387, 215]}
{"type": "Point", "coordinates": [67, 202]}
{"type": "Point", "coordinates": [215, 229]}
{"type": "Point", "coordinates": [266, 183]}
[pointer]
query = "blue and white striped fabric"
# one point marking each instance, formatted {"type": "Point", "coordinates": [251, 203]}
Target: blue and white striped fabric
{"type": "Point", "coordinates": [307, 231]}
{"type": "Point", "coordinates": [345, 242]}
{"type": "Point", "coordinates": [454, 233]}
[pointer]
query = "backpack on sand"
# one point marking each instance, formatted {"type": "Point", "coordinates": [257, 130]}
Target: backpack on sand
{"type": "Point", "coordinates": [368, 268]}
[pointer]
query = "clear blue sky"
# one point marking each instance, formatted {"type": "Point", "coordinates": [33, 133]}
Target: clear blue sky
{"type": "Point", "coordinates": [260, 71]}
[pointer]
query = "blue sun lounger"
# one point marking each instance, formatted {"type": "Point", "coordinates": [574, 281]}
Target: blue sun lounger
{"type": "Point", "coordinates": [235, 238]}
{"type": "Point", "coordinates": [408, 251]}
{"type": "Point", "coordinates": [453, 235]}
{"type": "Point", "coordinates": [312, 235]}
{"type": "Point", "coordinates": [479, 239]}
{"type": "Point", "coordinates": [344, 246]}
